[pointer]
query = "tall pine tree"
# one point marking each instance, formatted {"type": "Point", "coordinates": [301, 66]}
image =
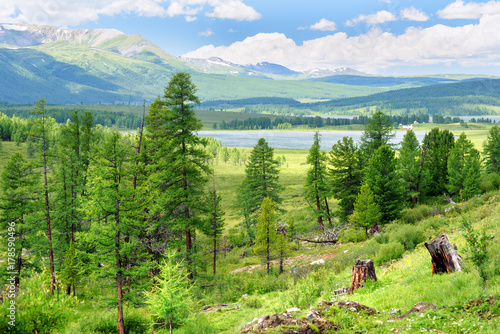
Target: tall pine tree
{"type": "Point", "coordinates": [266, 234]}
{"type": "Point", "coordinates": [491, 151]}
{"type": "Point", "coordinates": [377, 132]}
{"type": "Point", "coordinates": [316, 190]}
{"type": "Point", "coordinates": [346, 174]}
{"type": "Point", "coordinates": [179, 166]}
{"type": "Point", "coordinates": [463, 168]}
{"type": "Point", "coordinates": [409, 166]}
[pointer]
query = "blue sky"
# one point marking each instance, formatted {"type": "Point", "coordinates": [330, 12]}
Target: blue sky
{"type": "Point", "coordinates": [391, 37]}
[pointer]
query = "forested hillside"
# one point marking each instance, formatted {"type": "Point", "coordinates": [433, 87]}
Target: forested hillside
{"type": "Point", "coordinates": [164, 231]}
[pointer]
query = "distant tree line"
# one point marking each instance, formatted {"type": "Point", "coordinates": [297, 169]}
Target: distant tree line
{"type": "Point", "coordinates": [105, 118]}
{"type": "Point", "coordinates": [262, 123]}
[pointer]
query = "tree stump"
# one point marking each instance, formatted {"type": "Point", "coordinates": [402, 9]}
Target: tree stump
{"type": "Point", "coordinates": [362, 270]}
{"type": "Point", "coordinates": [444, 256]}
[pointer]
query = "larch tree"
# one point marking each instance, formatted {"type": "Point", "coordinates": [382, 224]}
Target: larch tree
{"type": "Point", "coordinates": [261, 178]}
{"type": "Point", "coordinates": [437, 144]}
{"type": "Point", "coordinates": [366, 212]}
{"type": "Point", "coordinates": [491, 151]}
{"type": "Point", "coordinates": [381, 176]}
{"type": "Point", "coordinates": [377, 132]}
{"type": "Point", "coordinates": [409, 166]}
{"type": "Point", "coordinates": [111, 204]}
{"type": "Point", "coordinates": [266, 235]}
{"type": "Point", "coordinates": [463, 169]}
{"type": "Point", "coordinates": [18, 182]}
{"type": "Point", "coordinates": [39, 137]}
{"type": "Point", "coordinates": [315, 189]}
{"type": "Point", "coordinates": [215, 222]}
{"type": "Point", "coordinates": [345, 174]}
{"type": "Point", "coordinates": [179, 160]}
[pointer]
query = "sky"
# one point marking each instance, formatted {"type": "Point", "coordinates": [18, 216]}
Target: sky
{"type": "Point", "coordinates": [388, 37]}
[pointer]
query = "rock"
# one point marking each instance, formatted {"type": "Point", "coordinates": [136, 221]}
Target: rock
{"type": "Point", "coordinates": [244, 296]}
{"type": "Point", "coordinates": [395, 311]}
{"type": "Point", "coordinates": [379, 322]}
{"type": "Point", "coordinates": [320, 261]}
{"type": "Point", "coordinates": [293, 309]}
{"type": "Point", "coordinates": [353, 309]}
{"type": "Point", "coordinates": [343, 291]}
{"type": "Point", "coordinates": [310, 316]}
{"type": "Point", "coordinates": [346, 304]}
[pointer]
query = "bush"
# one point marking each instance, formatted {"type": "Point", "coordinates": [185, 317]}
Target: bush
{"type": "Point", "coordinates": [353, 235]}
{"type": "Point", "coordinates": [412, 216]}
{"type": "Point", "coordinates": [105, 323]}
{"type": "Point", "coordinates": [382, 238]}
{"type": "Point", "coordinates": [489, 182]}
{"type": "Point", "coordinates": [409, 236]}
{"type": "Point", "coordinates": [252, 301]}
{"type": "Point", "coordinates": [391, 251]}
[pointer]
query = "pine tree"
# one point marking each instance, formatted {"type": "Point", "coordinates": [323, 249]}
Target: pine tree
{"type": "Point", "coordinates": [18, 182]}
{"type": "Point", "coordinates": [438, 144]}
{"type": "Point", "coordinates": [261, 178]}
{"type": "Point", "coordinates": [366, 212]}
{"type": "Point", "coordinates": [381, 177]}
{"type": "Point", "coordinates": [377, 132]}
{"type": "Point", "coordinates": [170, 298]}
{"type": "Point", "coordinates": [216, 221]}
{"type": "Point", "coordinates": [409, 166]}
{"type": "Point", "coordinates": [179, 160]}
{"type": "Point", "coordinates": [111, 204]}
{"type": "Point", "coordinates": [463, 168]}
{"type": "Point", "coordinates": [70, 274]}
{"type": "Point", "coordinates": [345, 174]}
{"type": "Point", "coordinates": [266, 234]}
{"type": "Point", "coordinates": [491, 151]}
{"type": "Point", "coordinates": [316, 189]}
{"type": "Point", "coordinates": [39, 136]}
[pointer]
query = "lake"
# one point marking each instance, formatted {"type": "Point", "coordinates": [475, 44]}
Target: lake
{"type": "Point", "coordinates": [301, 140]}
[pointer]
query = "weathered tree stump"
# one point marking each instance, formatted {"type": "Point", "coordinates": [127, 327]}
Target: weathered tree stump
{"type": "Point", "coordinates": [444, 255]}
{"type": "Point", "coordinates": [362, 270]}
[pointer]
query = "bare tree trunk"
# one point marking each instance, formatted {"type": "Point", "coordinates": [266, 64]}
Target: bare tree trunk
{"type": "Point", "coordinates": [444, 256]}
{"type": "Point", "coordinates": [362, 270]}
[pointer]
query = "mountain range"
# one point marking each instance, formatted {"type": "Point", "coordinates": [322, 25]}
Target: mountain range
{"type": "Point", "coordinates": [68, 66]}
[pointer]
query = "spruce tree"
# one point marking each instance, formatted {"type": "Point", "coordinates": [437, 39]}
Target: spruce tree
{"type": "Point", "coordinates": [345, 174]}
{"type": "Point", "coordinates": [381, 176]}
{"type": "Point", "coordinates": [437, 144]}
{"type": "Point", "coordinates": [316, 190]}
{"type": "Point", "coordinates": [366, 212]}
{"type": "Point", "coordinates": [17, 202]}
{"type": "Point", "coordinates": [409, 166]}
{"type": "Point", "coordinates": [179, 160]}
{"type": "Point", "coordinates": [261, 178]}
{"type": "Point", "coordinates": [491, 151]}
{"type": "Point", "coordinates": [463, 168]}
{"type": "Point", "coordinates": [377, 132]}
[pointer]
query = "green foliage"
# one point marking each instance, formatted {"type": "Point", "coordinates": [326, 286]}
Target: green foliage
{"type": "Point", "coordinates": [170, 298]}
{"type": "Point", "coordinates": [489, 182]}
{"type": "Point", "coordinates": [366, 210]}
{"type": "Point", "coordinates": [437, 146]}
{"type": "Point", "coordinates": [266, 236]}
{"type": "Point", "coordinates": [316, 189]}
{"type": "Point", "coordinates": [463, 169]}
{"type": "Point", "coordinates": [477, 247]}
{"type": "Point", "coordinates": [378, 131]}
{"type": "Point", "coordinates": [381, 177]}
{"type": "Point", "coordinates": [390, 251]}
{"type": "Point", "coordinates": [345, 174]}
{"type": "Point", "coordinates": [104, 322]}
{"type": "Point", "coordinates": [409, 166]}
{"type": "Point", "coordinates": [407, 235]}
{"type": "Point", "coordinates": [261, 178]}
{"type": "Point", "coordinates": [70, 274]}
{"type": "Point", "coordinates": [353, 235]}
{"type": "Point", "coordinates": [491, 151]}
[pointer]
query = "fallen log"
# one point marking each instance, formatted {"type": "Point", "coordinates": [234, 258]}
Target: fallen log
{"type": "Point", "coordinates": [333, 242]}
{"type": "Point", "coordinates": [443, 255]}
{"type": "Point", "coordinates": [361, 271]}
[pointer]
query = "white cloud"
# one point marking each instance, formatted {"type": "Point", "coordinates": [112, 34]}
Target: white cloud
{"type": "Point", "coordinates": [413, 14]}
{"type": "Point", "coordinates": [377, 18]}
{"type": "Point", "coordinates": [206, 33]}
{"type": "Point", "coordinates": [75, 12]}
{"type": "Point", "coordinates": [471, 10]}
{"type": "Point", "coordinates": [233, 9]}
{"type": "Point", "coordinates": [374, 51]}
{"type": "Point", "coordinates": [323, 25]}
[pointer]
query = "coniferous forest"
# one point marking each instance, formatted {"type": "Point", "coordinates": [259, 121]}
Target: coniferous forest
{"type": "Point", "coordinates": [148, 232]}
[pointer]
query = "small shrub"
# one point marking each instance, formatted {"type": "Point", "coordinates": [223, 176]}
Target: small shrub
{"type": "Point", "coordinates": [391, 251]}
{"type": "Point", "coordinates": [489, 182]}
{"type": "Point", "coordinates": [382, 238]}
{"type": "Point", "coordinates": [353, 235]}
{"type": "Point", "coordinates": [409, 236]}
{"type": "Point", "coordinates": [252, 301]}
